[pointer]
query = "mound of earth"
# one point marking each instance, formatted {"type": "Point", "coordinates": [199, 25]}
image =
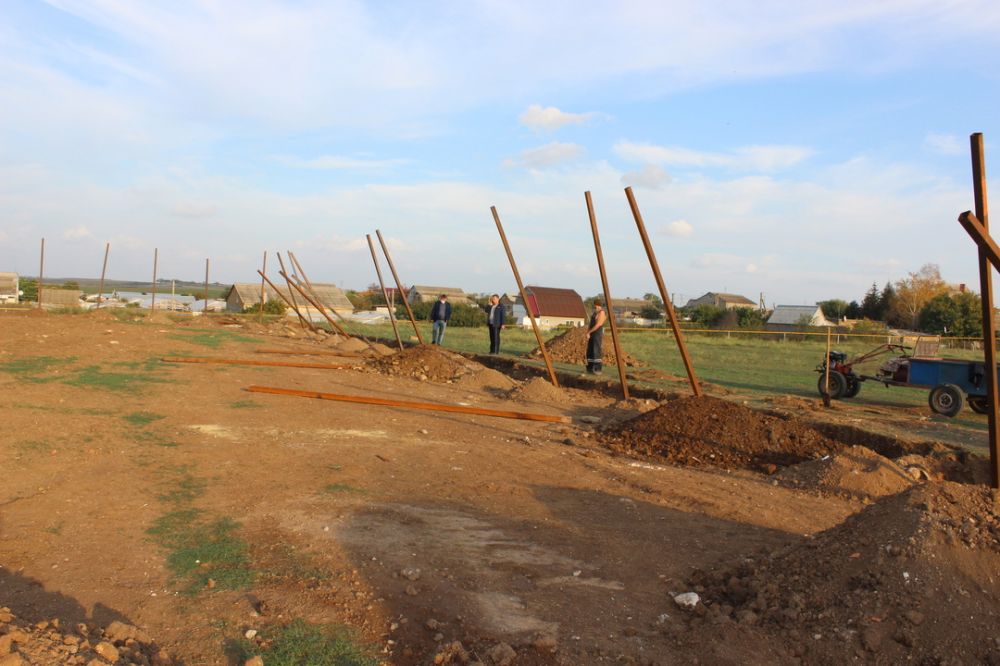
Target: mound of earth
{"type": "Point", "coordinates": [425, 362]}
{"type": "Point", "coordinates": [538, 389]}
{"type": "Point", "coordinates": [710, 431]}
{"type": "Point", "coordinates": [856, 471]}
{"type": "Point", "coordinates": [909, 579]}
{"type": "Point", "coordinates": [571, 347]}
{"type": "Point", "coordinates": [47, 642]}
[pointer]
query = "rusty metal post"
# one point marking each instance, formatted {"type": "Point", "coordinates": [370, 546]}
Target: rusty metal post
{"type": "Point", "coordinates": [152, 305]}
{"type": "Point", "coordinates": [986, 294]}
{"type": "Point", "coordinates": [826, 369]}
{"type": "Point", "coordinates": [399, 285]}
{"type": "Point", "coordinates": [667, 304]}
{"type": "Point", "coordinates": [385, 294]}
{"type": "Point", "coordinates": [205, 311]}
{"type": "Point", "coordinates": [104, 269]}
{"type": "Point", "coordinates": [282, 296]}
{"type": "Point", "coordinates": [291, 294]}
{"type": "Point", "coordinates": [260, 318]}
{"type": "Point", "coordinates": [607, 295]}
{"type": "Point", "coordinates": [41, 274]}
{"type": "Point", "coordinates": [319, 305]}
{"type": "Point", "coordinates": [524, 299]}
{"type": "Point", "coordinates": [333, 325]}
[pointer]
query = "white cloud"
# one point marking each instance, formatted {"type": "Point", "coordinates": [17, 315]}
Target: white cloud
{"type": "Point", "coordinates": [77, 233]}
{"type": "Point", "coordinates": [193, 209]}
{"type": "Point", "coordinates": [551, 118]}
{"type": "Point", "coordinates": [746, 158]}
{"type": "Point", "coordinates": [548, 155]}
{"type": "Point", "coordinates": [651, 176]}
{"type": "Point", "coordinates": [678, 228]}
{"type": "Point", "coordinates": [341, 162]}
{"type": "Point", "coordinates": [945, 144]}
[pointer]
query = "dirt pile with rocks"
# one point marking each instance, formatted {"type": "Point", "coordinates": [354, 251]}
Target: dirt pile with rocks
{"type": "Point", "coordinates": [571, 347]}
{"type": "Point", "coordinates": [539, 389]}
{"type": "Point", "coordinates": [426, 362]}
{"type": "Point", "coordinates": [910, 579]}
{"type": "Point", "coordinates": [856, 471]}
{"type": "Point", "coordinates": [47, 642]}
{"type": "Point", "coordinates": [710, 431]}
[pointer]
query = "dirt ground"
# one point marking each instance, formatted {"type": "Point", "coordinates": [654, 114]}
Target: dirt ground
{"type": "Point", "coordinates": [164, 504]}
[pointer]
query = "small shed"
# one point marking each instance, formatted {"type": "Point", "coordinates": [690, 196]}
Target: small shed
{"type": "Point", "coordinates": [10, 289]}
{"type": "Point", "coordinates": [631, 308]}
{"type": "Point", "coordinates": [244, 294]}
{"type": "Point", "coordinates": [421, 293]}
{"type": "Point", "coordinates": [60, 298]}
{"type": "Point", "coordinates": [721, 300]}
{"type": "Point", "coordinates": [795, 317]}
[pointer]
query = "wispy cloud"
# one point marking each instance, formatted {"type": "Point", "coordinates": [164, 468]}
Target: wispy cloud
{"type": "Point", "coordinates": [746, 158]}
{"type": "Point", "coordinates": [651, 176]}
{"type": "Point", "coordinates": [548, 155]}
{"type": "Point", "coordinates": [77, 233]}
{"type": "Point", "coordinates": [550, 118]}
{"type": "Point", "coordinates": [678, 229]}
{"type": "Point", "coordinates": [340, 162]}
{"type": "Point", "coordinates": [945, 144]}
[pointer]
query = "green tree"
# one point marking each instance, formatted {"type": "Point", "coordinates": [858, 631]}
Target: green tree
{"type": "Point", "coordinates": [706, 315]}
{"type": "Point", "coordinates": [274, 307]}
{"type": "Point", "coordinates": [654, 300]}
{"type": "Point", "coordinates": [651, 312]}
{"type": "Point", "coordinates": [853, 310]}
{"type": "Point", "coordinates": [29, 289]}
{"type": "Point", "coordinates": [834, 308]}
{"type": "Point", "coordinates": [750, 318]}
{"type": "Point", "coordinates": [871, 304]}
{"type": "Point", "coordinates": [958, 315]}
{"type": "Point", "coordinates": [70, 285]}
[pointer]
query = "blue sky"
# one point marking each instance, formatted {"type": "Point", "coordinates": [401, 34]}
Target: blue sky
{"type": "Point", "coordinates": [803, 150]}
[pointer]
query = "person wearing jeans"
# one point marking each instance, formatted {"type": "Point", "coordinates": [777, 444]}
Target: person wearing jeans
{"type": "Point", "coordinates": [494, 319]}
{"type": "Point", "coordinates": [440, 314]}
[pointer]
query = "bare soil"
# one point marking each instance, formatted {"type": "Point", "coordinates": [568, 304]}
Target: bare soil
{"type": "Point", "coordinates": [571, 347]}
{"type": "Point", "coordinates": [443, 538]}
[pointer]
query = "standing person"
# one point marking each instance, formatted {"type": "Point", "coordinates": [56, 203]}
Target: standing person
{"type": "Point", "coordinates": [440, 314]}
{"type": "Point", "coordinates": [595, 339]}
{"type": "Point", "coordinates": [494, 319]}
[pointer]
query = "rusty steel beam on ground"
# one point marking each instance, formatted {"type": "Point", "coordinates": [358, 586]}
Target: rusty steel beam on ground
{"type": "Point", "coordinates": [319, 303]}
{"type": "Point", "coordinates": [385, 294]}
{"type": "Point", "coordinates": [41, 273]}
{"type": "Point", "coordinates": [609, 306]}
{"type": "Point", "coordinates": [291, 294]}
{"type": "Point", "coordinates": [104, 269]}
{"type": "Point", "coordinates": [239, 361]}
{"type": "Point", "coordinates": [429, 406]}
{"type": "Point", "coordinates": [260, 318]}
{"type": "Point", "coordinates": [399, 285]}
{"type": "Point", "coordinates": [315, 304]}
{"type": "Point", "coordinates": [986, 294]}
{"type": "Point", "coordinates": [302, 352]}
{"type": "Point", "coordinates": [524, 299]}
{"type": "Point", "coordinates": [280, 295]}
{"type": "Point", "coordinates": [667, 303]}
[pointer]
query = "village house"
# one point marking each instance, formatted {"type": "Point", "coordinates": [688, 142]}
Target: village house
{"type": "Point", "coordinates": [795, 317]}
{"type": "Point", "coordinates": [244, 294]}
{"type": "Point", "coordinates": [10, 290]}
{"type": "Point", "coordinates": [720, 300]}
{"type": "Point", "coordinates": [420, 293]}
{"type": "Point", "coordinates": [551, 307]}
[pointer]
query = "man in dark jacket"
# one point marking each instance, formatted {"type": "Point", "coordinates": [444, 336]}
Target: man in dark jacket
{"type": "Point", "coordinates": [440, 314]}
{"type": "Point", "coordinates": [494, 319]}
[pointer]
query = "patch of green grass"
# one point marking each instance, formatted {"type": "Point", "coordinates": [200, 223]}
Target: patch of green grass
{"type": "Point", "coordinates": [142, 418]}
{"type": "Point", "coordinates": [202, 551]}
{"type": "Point", "coordinates": [187, 489]}
{"type": "Point", "coordinates": [55, 529]}
{"type": "Point", "coordinates": [31, 446]}
{"type": "Point", "coordinates": [303, 644]}
{"type": "Point", "coordinates": [341, 488]}
{"type": "Point", "coordinates": [245, 404]}
{"type": "Point", "coordinates": [290, 563]}
{"type": "Point", "coordinates": [210, 338]}
{"type": "Point", "coordinates": [29, 368]}
{"type": "Point", "coordinates": [155, 438]}
{"type": "Point", "coordinates": [94, 377]}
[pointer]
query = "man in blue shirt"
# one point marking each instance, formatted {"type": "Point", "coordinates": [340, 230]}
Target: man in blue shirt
{"type": "Point", "coordinates": [494, 319]}
{"type": "Point", "coordinates": [440, 314]}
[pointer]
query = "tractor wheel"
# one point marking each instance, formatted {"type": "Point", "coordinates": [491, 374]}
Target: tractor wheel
{"type": "Point", "coordinates": [946, 399]}
{"type": "Point", "coordinates": [978, 404]}
{"type": "Point", "coordinates": [853, 386]}
{"type": "Point", "coordinates": [838, 384]}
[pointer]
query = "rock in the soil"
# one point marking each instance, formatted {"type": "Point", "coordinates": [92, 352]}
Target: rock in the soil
{"type": "Point", "coordinates": [916, 618]}
{"type": "Point", "coordinates": [411, 590]}
{"type": "Point", "coordinates": [502, 654]}
{"type": "Point", "coordinates": [11, 660]}
{"type": "Point", "coordinates": [590, 419]}
{"type": "Point", "coordinates": [432, 624]}
{"type": "Point", "coordinates": [545, 643]}
{"type": "Point", "coordinates": [254, 661]}
{"type": "Point", "coordinates": [107, 651]}
{"type": "Point", "coordinates": [687, 600]}
{"type": "Point", "coordinates": [410, 573]}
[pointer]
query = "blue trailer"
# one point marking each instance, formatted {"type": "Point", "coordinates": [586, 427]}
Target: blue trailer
{"type": "Point", "coordinates": [951, 381]}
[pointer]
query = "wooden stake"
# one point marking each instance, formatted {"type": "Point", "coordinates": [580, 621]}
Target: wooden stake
{"type": "Point", "coordinates": [429, 406]}
{"type": "Point", "coordinates": [156, 256]}
{"type": "Point", "coordinates": [399, 285]}
{"type": "Point", "coordinates": [104, 269]}
{"type": "Point", "coordinates": [986, 294]}
{"type": "Point", "coordinates": [667, 303]}
{"type": "Point", "coordinates": [524, 299]}
{"type": "Point", "coordinates": [282, 296]}
{"type": "Point", "coordinates": [607, 295]}
{"type": "Point", "coordinates": [385, 294]}
{"type": "Point", "coordinates": [263, 296]}
{"type": "Point", "coordinates": [238, 361]}
{"type": "Point", "coordinates": [291, 294]}
{"type": "Point", "coordinates": [41, 274]}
